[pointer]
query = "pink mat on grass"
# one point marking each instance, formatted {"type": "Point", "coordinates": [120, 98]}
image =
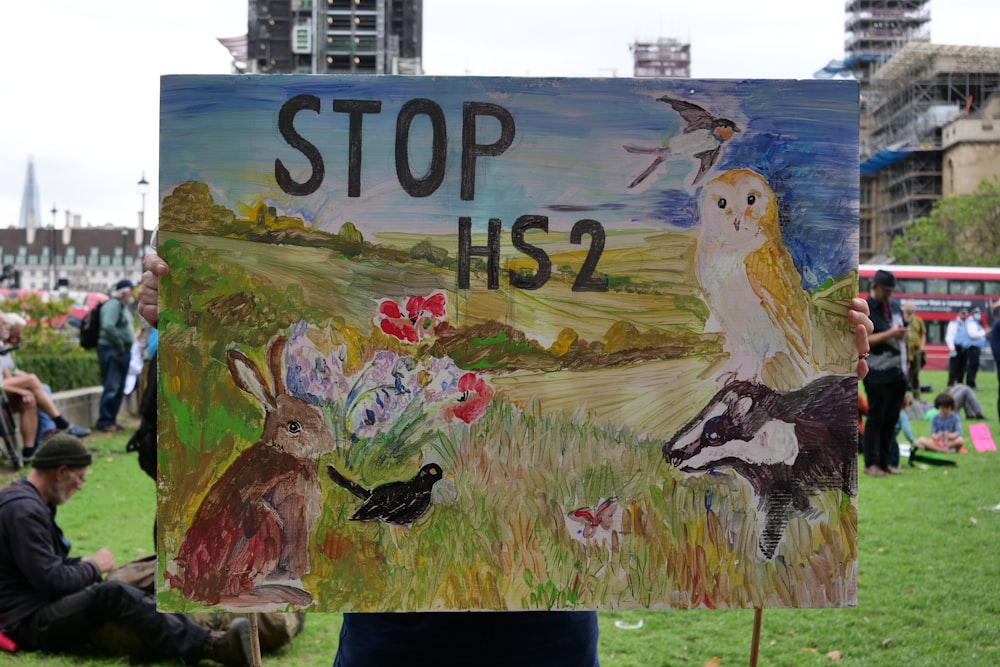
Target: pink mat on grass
{"type": "Point", "coordinates": [981, 438]}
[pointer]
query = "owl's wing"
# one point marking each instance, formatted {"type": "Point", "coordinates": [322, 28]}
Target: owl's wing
{"type": "Point", "coordinates": [775, 280]}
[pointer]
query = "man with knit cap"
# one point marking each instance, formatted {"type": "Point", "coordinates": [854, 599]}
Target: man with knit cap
{"type": "Point", "coordinates": [50, 601]}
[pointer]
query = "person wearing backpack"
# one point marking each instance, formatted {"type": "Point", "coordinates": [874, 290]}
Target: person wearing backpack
{"type": "Point", "coordinates": [113, 350]}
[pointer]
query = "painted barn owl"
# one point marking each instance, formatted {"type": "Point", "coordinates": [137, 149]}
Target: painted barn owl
{"type": "Point", "coordinates": [753, 290]}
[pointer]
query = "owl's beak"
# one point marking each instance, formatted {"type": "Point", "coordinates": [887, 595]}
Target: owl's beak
{"type": "Point", "coordinates": [736, 223]}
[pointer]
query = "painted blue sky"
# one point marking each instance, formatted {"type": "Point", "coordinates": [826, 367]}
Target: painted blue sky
{"type": "Point", "coordinates": [566, 160]}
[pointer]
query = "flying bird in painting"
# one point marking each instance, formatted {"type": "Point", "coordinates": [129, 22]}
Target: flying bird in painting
{"type": "Point", "coordinates": [790, 446]}
{"type": "Point", "coordinates": [700, 140]}
{"type": "Point", "coordinates": [753, 290]}
{"type": "Point", "coordinates": [398, 503]}
{"type": "Point", "coordinates": [248, 545]}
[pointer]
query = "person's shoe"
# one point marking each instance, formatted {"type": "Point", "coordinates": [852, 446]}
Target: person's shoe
{"type": "Point", "coordinates": [963, 450]}
{"type": "Point", "coordinates": [893, 470]}
{"type": "Point", "coordinates": [230, 648]}
{"type": "Point", "coordinates": [110, 428]}
{"type": "Point", "coordinates": [874, 471]}
{"type": "Point", "coordinates": [28, 453]}
{"type": "Point", "coordinates": [78, 431]}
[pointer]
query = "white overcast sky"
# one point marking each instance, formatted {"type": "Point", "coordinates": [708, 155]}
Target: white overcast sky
{"type": "Point", "coordinates": [81, 83]}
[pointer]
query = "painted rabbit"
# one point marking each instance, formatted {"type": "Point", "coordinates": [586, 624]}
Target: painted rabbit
{"type": "Point", "coordinates": [248, 545]}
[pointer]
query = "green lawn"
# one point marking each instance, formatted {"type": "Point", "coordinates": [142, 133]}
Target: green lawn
{"type": "Point", "coordinates": [927, 593]}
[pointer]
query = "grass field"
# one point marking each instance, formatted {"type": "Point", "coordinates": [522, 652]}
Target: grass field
{"type": "Point", "coordinates": [926, 596]}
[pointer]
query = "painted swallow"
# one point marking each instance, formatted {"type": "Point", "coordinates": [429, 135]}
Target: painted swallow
{"type": "Point", "coordinates": [701, 140]}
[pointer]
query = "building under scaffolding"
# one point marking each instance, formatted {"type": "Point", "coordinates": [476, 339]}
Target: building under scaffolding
{"type": "Point", "coordinates": [664, 57]}
{"type": "Point", "coordinates": [922, 88]}
{"type": "Point", "coordinates": [876, 30]}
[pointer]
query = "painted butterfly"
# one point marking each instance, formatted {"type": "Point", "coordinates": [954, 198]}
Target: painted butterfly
{"type": "Point", "coordinates": [599, 518]}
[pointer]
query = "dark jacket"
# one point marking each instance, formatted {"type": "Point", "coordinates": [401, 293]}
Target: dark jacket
{"type": "Point", "coordinates": [886, 361]}
{"type": "Point", "coordinates": [995, 341]}
{"type": "Point", "coordinates": [35, 567]}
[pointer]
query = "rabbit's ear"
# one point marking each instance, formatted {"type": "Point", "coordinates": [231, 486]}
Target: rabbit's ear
{"type": "Point", "coordinates": [275, 359]}
{"type": "Point", "coordinates": [249, 379]}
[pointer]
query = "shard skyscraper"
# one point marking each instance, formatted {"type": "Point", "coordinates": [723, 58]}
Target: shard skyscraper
{"type": "Point", "coordinates": [31, 209]}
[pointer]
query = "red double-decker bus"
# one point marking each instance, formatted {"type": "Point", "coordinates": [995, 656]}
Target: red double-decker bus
{"type": "Point", "coordinates": [939, 292]}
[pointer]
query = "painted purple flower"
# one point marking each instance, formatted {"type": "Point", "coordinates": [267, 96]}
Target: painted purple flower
{"type": "Point", "coordinates": [315, 371]}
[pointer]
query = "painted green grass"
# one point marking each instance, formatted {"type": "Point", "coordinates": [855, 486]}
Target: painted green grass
{"type": "Point", "coordinates": [499, 543]}
{"type": "Point", "coordinates": [927, 590]}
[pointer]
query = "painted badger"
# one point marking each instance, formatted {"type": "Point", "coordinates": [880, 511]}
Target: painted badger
{"type": "Point", "coordinates": [788, 446]}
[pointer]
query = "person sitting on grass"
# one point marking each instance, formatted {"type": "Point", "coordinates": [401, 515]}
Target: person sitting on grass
{"type": "Point", "coordinates": [965, 399]}
{"type": "Point", "coordinates": [946, 427]}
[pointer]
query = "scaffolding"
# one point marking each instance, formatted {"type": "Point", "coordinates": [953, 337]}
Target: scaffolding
{"type": "Point", "coordinates": [876, 29]}
{"type": "Point", "coordinates": [910, 98]}
{"type": "Point", "coordinates": [664, 57]}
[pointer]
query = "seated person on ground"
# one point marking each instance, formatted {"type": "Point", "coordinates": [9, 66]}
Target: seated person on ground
{"type": "Point", "coordinates": [946, 427]}
{"type": "Point", "coordinates": [51, 601]}
{"type": "Point", "coordinates": [965, 399]}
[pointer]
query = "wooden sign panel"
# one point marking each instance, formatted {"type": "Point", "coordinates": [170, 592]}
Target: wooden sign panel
{"type": "Point", "coordinates": [462, 343]}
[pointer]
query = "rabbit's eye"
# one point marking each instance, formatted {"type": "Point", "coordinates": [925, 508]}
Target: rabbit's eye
{"type": "Point", "coordinates": [294, 427]}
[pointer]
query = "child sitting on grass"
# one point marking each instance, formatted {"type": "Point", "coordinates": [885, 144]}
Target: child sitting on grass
{"type": "Point", "coordinates": [946, 427]}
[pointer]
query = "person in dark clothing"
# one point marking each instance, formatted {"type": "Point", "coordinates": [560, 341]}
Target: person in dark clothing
{"type": "Point", "coordinates": [50, 601]}
{"type": "Point", "coordinates": [886, 382]}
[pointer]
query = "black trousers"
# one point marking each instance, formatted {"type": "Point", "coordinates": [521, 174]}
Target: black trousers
{"type": "Point", "coordinates": [885, 399]}
{"type": "Point", "coordinates": [115, 617]}
{"type": "Point", "coordinates": [972, 365]}
{"type": "Point", "coordinates": [957, 365]}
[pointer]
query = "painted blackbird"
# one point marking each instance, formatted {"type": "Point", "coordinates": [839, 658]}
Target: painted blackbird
{"type": "Point", "coordinates": [399, 503]}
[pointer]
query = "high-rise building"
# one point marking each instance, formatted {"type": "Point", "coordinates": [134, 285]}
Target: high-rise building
{"type": "Point", "coordinates": [31, 207]}
{"type": "Point", "coordinates": [664, 57]}
{"type": "Point", "coordinates": [334, 36]}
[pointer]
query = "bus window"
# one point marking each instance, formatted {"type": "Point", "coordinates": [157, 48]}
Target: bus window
{"type": "Point", "coordinates": [937, 286]}
{"type": "Point", "coordinates": [910, 285]}
{"type": "Point", "coordinates": [935, 331]}
{"type": "Point", "coordinates": [865, 285]}
{"type": "Point", "coordinates": [992, 288]}
{"type": "Point", "coordinates": [966, 287]}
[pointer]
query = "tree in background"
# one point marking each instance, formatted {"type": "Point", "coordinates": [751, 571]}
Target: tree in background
{"type": "Point", "coordinates": [961, 230]}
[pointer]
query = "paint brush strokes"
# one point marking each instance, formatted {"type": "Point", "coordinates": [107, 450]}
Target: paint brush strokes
{"type": "Point", "coordinates": [464, 343]}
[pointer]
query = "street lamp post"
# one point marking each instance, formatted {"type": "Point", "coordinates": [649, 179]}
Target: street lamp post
{"type": "Point", "coordinates": [124, 251]}
{"type": "Point", "coordinates": [142, 187]}
{"type": "Point", "coordinates": [52, 250]}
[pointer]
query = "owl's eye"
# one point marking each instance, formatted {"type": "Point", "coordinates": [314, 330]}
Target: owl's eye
{"type": "Point", "coordinates": [721, 203]}
{"type": "Point", "coordinates": [751, 199]}
{"type": "Point", "coordinates": [294, 428]}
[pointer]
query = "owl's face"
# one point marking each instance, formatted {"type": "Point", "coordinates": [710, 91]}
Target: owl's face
{"type": "Point", "coordinates": [738, 209]}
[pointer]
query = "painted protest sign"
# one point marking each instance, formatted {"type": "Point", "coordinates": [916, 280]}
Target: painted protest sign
{"type": "Point", "coordinates": [472, 343]}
